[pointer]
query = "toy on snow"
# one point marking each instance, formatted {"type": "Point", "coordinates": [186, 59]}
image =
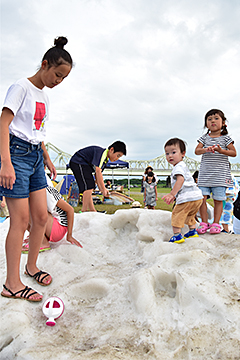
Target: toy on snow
{"type": "Point", "coordinates": [53, 308]}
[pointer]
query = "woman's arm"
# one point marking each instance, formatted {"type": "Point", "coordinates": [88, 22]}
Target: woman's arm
{"type": "Point", "coordinates": [70, 218]}
{"type": "Point", "coordinates": [47, 161]}
{"type": "Point", "coordinates": [7, 173]}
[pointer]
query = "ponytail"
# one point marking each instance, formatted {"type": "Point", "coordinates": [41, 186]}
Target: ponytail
{"type": "Point", "coordinates": [224, 130]}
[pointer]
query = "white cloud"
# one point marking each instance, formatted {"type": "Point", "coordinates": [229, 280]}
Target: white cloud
{"type": "Point", "coordinates": [145, 71]}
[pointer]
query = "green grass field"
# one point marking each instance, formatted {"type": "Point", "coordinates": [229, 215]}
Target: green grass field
{"type": "Point", "coordinates": [136, 194]}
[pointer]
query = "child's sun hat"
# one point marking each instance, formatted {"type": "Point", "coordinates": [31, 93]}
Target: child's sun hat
{"type": "Point", "coordinates": [136, 204]}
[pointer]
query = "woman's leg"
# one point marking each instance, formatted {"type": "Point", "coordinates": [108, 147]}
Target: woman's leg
{"type": "Point", "coordinates": [19, 216]}
{"type": "Point", "coordinates": [203, 210]}
{"type": "Point", "coordinates": [46, 236]}
{"type": "Point", "coordinates": [39, 215]}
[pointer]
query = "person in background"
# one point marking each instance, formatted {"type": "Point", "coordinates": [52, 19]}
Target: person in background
{"type": "Point", "coordinates": [195, 176]}
{"type": "Point", "coordinates": [168, 181]}
{"type": "Point", "coordinates": [93, 159]}
{"type": "Point", "coordinates": [227, 214]}
{"type": "Point", "coordinates": [108, 185]}
{"type": "Point", "coordinates": [150, 191]}
{"type": "Point", "coordinates": [236, 215]}
{"type": "Point", "coordinates": [22, 176]}
{"type": "Point", "coordinates": [147, 170]}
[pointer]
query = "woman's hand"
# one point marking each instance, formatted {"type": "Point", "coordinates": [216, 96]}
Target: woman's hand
{"type": "Point", "coordinates": [7, 175]}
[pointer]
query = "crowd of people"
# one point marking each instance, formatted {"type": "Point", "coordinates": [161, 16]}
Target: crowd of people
{"type": "Point", "coordinates": [35, 205]}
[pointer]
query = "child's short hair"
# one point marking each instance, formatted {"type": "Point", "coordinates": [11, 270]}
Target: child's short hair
{"type": "Point", "coordinates": [119, 146]}
{"type": "Point", "coordinates": [176, 141]}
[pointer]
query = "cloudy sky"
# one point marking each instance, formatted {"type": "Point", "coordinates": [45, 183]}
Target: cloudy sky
{"type": "Point", "coordinates": [145, 70]}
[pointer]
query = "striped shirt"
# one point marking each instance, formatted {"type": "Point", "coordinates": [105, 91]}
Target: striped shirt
{"type": "Point", "coordinates": [215, 168]}
{"type": "Point", "coordinates": [53, 196]}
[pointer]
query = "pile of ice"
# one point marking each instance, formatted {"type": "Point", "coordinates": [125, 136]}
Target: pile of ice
{"type": "Point", "coordinates": [129, 294]}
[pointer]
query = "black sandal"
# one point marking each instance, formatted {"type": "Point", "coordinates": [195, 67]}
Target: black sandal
{"type": "Point", "coordinates": [24, 294]}
{"type": "Point", "coordinates": [38, 275]}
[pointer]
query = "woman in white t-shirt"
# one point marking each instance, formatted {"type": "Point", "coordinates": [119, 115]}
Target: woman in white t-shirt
{"type": "Point", "coordinates": [22, 177]}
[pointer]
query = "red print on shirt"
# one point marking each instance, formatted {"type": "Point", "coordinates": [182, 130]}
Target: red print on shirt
{"type": "Point", "coordinates": [39, 116]}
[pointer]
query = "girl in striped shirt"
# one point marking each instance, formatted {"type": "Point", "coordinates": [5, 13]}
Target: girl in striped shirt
{"type": "Point", "coordinates": [214, 174]}
{"type": "Point", "coordinates": [59, 223]}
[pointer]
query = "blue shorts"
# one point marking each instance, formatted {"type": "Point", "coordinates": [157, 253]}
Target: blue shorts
{"type": "Point", "coordinates": [218, 192]}
{"type": "Point", "coordinates": [27, 160]}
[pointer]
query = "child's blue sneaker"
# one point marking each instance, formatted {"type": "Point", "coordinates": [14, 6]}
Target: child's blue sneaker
{"type": "Point", "coordinates": [177, 239]}
{"type": "Point", "coordinates": [191, 234]}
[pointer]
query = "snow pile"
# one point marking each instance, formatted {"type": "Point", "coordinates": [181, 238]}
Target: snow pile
{"type": "Point", "coordinates": [129, 294]}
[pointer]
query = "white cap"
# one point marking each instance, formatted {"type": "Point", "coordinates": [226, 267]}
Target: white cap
{"type": "Point", "coordinates": [136, 204]}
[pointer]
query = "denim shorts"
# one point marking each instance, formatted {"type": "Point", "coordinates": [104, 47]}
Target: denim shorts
{"type": "Point", "coordinates": [27, 160]}
{"type": "Point", "coordinates": [218, 192]}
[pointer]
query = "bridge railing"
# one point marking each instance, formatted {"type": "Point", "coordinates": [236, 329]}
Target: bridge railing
{"type": "Point", "coordinates": [60, 159]}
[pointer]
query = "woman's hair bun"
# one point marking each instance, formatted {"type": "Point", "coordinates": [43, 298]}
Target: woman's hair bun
{"type": "Point", "coordinates": [57, 55]}
{"type": "Point", "coordinates": [60, 42]}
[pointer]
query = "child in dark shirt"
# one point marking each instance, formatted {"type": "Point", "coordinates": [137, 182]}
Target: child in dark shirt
{"type": "Point", "coordinates": [89, 160]}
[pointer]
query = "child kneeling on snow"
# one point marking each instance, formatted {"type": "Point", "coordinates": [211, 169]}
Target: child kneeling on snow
{"type": "Point", "coordinates": [59, 223]}
{"type": "Point", "coordinates": [188, 196]}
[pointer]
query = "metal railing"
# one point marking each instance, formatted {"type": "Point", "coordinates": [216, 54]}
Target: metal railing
{"type": "Point", "coordinates": [136, 167]}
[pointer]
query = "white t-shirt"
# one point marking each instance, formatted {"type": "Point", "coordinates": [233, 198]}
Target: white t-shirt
{"type": "Point", "coordinates": [29, 105]}
{"type": "Point", "coordinates": [189, 190]}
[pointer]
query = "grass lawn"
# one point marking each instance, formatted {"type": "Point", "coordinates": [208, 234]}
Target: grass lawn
{"type": "Point", "coordinates": [136, 194]}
